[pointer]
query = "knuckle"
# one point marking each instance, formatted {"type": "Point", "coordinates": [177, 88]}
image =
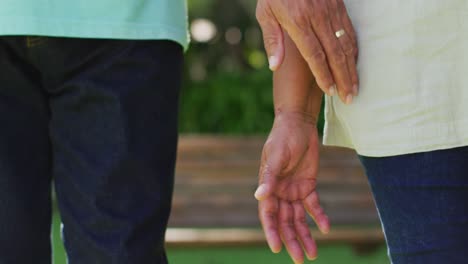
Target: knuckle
{"type": "Point", "coordinates": [300, 18]}
{"type": "Point", "coordinates": [321, 19]}
{"type": "Point", "coordinates": [270, 215]}
{"type": "Point", "coordinates": [267, 172]}
{"type": "Point", "coordinates": [338, 57]}
{"type": "Point", "coordinates": [270, 40]}
{"type": "Point", "coordinates": [317, 56]}
{"type": "Point", "coordinates": [349, 50]}
{"type": "Point", "coordinates": [314, 199]}
{"type": "Point", "coordinates": [300, 220]}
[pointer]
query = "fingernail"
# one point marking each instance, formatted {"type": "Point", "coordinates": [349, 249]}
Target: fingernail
{"type": "Point", "coordinates": [260, 192]}
{"type": "Point", "coordinates": [349, 99]}
{"type": "Point", "coordinates": [325, 225]}
{"type": "Point", "coordinates": [274, 250]}
{"type": "Point", "coordinates": [273, 62]}
{"type": "Point", "coordinates": [332, 90]}
{"type": "Point", "coordinates": [311, 258]}
{"type": "Point", "coordinates": [355, 89]}
{"type": "Point", "coordinates": [298, 261]}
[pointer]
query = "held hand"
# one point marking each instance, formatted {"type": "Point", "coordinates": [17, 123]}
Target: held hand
{"type": "Point", "coordinates": [324, 35]}
{"type": "Point", "coordinates": [287, 184]}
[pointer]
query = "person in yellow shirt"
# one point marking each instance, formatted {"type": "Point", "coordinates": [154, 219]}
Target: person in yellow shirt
{"type": "Point", "coordinates": [408, 125]}
{"type": "Point", "coordinates": [88, 98]}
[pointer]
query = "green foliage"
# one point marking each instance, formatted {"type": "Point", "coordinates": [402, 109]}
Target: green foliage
{"type": "Point", "coordinates": [328, 254]}
{"type": "Point", "coordinates": [231, 103]}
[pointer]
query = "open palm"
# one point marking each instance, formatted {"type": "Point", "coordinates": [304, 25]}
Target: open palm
{"type": "Point", "coordinates": [287, 184]}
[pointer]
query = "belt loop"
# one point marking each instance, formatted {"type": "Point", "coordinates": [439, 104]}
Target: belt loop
{"type": "Point", "coordinates": [33, 41]}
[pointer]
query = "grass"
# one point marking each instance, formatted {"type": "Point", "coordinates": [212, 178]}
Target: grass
{"type": "Point", "coordinates": [261, 255]}
{"type": "Point", "coordinates": [329, 254]}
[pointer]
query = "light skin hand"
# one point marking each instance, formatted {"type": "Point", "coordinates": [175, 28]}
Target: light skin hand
{"type": "Point", "coordinates": [289, 164]}
{"type": "Point", "coordinates": [312, 25]}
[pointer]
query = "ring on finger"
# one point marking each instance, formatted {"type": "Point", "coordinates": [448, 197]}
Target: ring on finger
{"type": "Point", "coordinates": [340, 33]}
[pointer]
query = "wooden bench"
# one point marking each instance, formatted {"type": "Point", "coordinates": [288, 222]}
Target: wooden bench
{"type": "Point", "coordinates": [216, 177]}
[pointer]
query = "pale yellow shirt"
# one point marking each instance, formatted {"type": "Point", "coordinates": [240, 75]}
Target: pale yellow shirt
{"type": "Point", "coordinates": [413, 68]}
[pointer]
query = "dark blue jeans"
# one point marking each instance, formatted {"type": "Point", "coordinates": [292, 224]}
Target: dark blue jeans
{"type": "Point", "coordinates": [422, 201]}
{"type": "Point", "coordinates": [99, 117]}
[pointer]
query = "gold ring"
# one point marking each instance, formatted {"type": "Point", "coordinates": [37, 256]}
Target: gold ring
{"type": "Point", "coordinates": [340, 33]}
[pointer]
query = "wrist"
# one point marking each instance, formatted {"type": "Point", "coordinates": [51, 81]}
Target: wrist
{"type": "Point", "coordinates": [295, 114]}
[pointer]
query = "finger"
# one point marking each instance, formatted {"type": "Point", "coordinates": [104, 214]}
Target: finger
{"type": "Point", "coordinates": [349, 51]}
{"type": "Point", "coordinates": [273, 37]}
{"type": "Point", "coordinates": [312, 51]}
{"type": "Point", "coordinates": [348, 43]}
{"type": "Point", "coordinates": [303, 231]}
{"type": "Point", "coordinates": [352, 68]}
{"type": "Point", "coordinates": [348, 26]}
{"type": "Point", "coordinates": [336, 58]}
{"type": "Point", "coordinates": [288, 232]}
{"type": "Point", "coordinates": [274, 159]}
{"type": "Point", "coordinates": [312, 205]}
{"type": "Point", "coordinates": [268, 214]}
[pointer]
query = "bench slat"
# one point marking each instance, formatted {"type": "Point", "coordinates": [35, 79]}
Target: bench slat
{"type": "Point", "coordinates": [216, 177]}
{"type": "Point", "coordinates": [247, 237]}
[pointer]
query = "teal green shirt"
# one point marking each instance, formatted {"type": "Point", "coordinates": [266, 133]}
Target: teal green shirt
{"type": "Point", "coordinates": [116, 19]}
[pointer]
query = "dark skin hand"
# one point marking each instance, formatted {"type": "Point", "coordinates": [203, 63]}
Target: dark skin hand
{"type": "Point", "coordinates": [289, 164]}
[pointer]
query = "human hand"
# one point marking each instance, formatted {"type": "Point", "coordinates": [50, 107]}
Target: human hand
{"type": "Point", "coordinates": [316, 27]}
{"type": "Point", "coordinates": [287, 181]}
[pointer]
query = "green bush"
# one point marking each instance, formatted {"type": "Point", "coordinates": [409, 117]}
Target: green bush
{"type": "Point", "coordinates": [229, 103]}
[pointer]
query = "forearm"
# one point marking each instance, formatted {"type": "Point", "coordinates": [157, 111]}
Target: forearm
{"type": "Point", "coordinates": [315, 101]}
{"type": "Point", "coordinates": [294, 88]}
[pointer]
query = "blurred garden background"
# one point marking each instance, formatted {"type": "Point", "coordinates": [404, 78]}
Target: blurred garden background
{"type": "Point", "coordinates": [227, 91]}
{"type": "Point", "coordinates": [226, 71]}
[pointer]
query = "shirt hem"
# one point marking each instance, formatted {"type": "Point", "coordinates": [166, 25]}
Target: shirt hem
{"type": "Point", "coordinates": [406, 147]}
{"type": "Point", "coordinates": [86, 29]}
{"type": "Point", "coordinates": [449, 135]}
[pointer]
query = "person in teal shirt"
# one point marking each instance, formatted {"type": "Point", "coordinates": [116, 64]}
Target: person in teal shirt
{"type": "Point", "coordinates": [89, 98]}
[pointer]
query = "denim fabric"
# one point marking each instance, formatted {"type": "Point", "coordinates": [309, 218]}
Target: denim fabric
{"type": "Point", "coordinates": [422, 201]}
{"type": "Point", "coordinates": [99, 117]}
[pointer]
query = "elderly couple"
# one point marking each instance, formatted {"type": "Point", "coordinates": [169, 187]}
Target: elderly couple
{"type": "Point", "coordinates": [89, 98]}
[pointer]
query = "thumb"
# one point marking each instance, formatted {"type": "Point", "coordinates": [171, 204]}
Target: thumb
{"type": "Point", "coordinates": [270, 170]}
{"type": "Point", "coordinates": [273, 39]}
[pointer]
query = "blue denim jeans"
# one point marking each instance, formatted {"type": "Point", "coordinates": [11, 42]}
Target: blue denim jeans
{"type": "Point", "coordinates": [99, 118]}
{"type": "Point", "coordinates": [422, 201]}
